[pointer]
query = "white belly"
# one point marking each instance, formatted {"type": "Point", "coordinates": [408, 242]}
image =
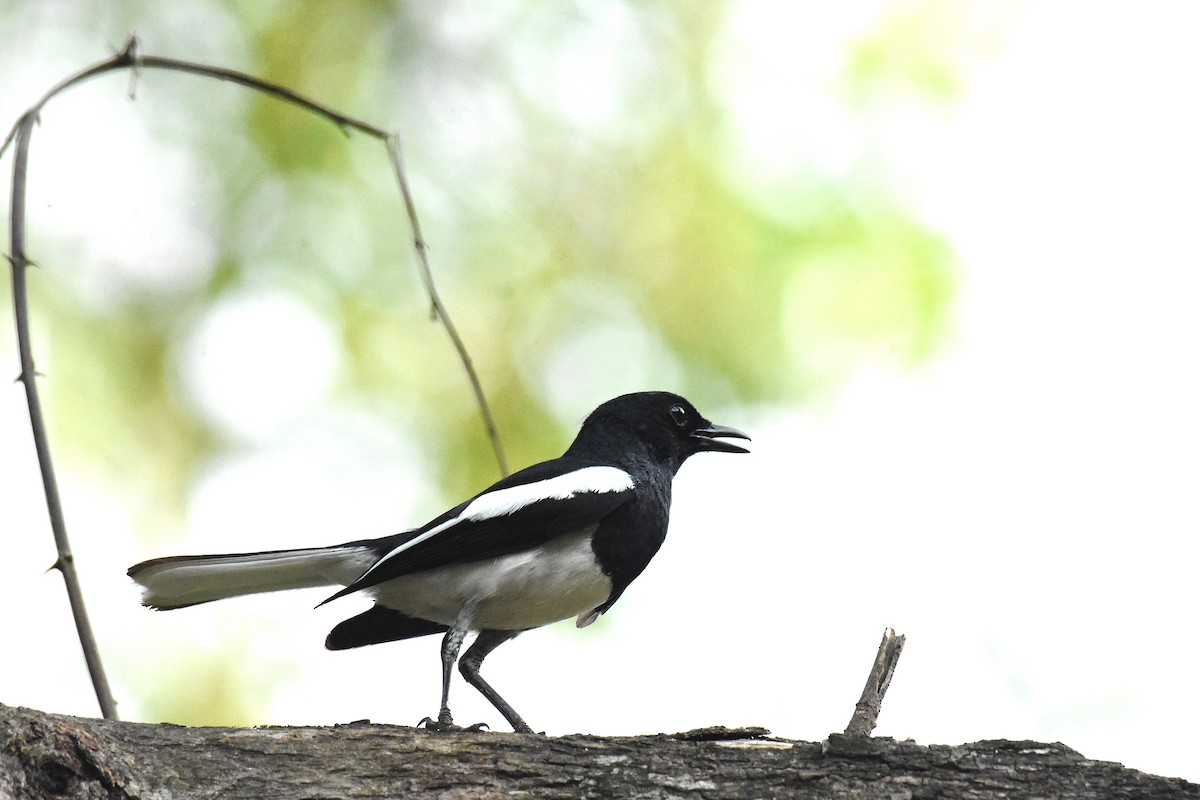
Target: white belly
{"type": "Point", "coordinates": [514, 592]}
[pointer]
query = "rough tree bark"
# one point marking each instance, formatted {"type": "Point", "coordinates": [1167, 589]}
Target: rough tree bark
{"type": "Point", "coordinates": [53, 756]}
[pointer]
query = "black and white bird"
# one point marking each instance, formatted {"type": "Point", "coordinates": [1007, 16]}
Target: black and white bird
{"type": "Point", "coordinates": [557, 540]}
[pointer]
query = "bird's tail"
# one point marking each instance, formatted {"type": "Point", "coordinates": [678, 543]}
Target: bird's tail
{"type": "Point", "coordinates": [179, 581]}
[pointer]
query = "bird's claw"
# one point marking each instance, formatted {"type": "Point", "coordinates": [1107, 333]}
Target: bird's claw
{"type": "Point", "coordinates": [446, 725]}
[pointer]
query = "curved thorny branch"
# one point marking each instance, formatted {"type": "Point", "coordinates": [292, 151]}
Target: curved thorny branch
{"type": "Point", "coordinates": [131, 59]}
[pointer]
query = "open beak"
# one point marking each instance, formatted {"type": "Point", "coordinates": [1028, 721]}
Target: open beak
{"type": "Point", "coordinates": [711, 438]}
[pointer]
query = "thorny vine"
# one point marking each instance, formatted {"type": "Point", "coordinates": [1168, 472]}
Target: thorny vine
{"type": "Point", "coordinates": [130, 58]}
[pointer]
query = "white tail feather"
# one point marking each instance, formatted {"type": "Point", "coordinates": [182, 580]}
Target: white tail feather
{"type": "Point", "coordinates": [180, 581]}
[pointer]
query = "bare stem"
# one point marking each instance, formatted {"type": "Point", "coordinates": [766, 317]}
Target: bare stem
{"type": "Point", "coordinates": [435, 301]}
{"type": "Point", "coordinates": [131, 59]}
{"type": "Point", "coordinates": [28, 378]}
{"type": "Point", "coordinates": [866, 712]}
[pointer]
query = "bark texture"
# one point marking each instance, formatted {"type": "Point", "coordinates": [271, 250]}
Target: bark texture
{"type": "Point", "coordinates": [53, 756]}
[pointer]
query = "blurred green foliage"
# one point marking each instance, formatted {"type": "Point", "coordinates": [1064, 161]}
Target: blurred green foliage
{"type": "Point", "coordinates": [527, 218]}
{"type": "Point", "coordinates": [579, 171]}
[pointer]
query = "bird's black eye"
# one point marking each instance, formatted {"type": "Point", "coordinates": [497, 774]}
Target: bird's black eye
{"type": "Point", "coordinates": [679, 414]}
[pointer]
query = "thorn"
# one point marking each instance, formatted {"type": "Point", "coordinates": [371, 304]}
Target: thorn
{"type": "Point", "coordinates": [21, 378]}
{"type": "Point", "coordinates": [133, 56]}
{"type": "Point", "coordinates": [57, 565]}
{"type": "Point", "coordinates": [130, 53]}
{"type": "Point", "coordinates": [26, 260]}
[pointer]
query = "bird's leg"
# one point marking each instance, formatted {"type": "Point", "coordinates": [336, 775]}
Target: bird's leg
{"type": "Point", "coordinates": [451, 644]}
{"type": "Point", "coordinates": [486, 642]}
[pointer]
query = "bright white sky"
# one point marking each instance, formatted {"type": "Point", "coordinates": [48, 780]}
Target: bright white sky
{"type": "Point", "coordinates": [1023, 507]}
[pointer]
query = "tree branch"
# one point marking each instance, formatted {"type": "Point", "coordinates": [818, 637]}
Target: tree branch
{"type": "Point", "coordinates": [48, 755]}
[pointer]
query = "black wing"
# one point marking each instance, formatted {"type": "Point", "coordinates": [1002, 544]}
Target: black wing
{"type": "Point", "coordinates": [524, 510]}
{"type": "Point", "coordinates": [376, 625]}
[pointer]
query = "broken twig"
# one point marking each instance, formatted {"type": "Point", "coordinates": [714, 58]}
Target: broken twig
{"type": "Point", "coordinates": [866, 712]}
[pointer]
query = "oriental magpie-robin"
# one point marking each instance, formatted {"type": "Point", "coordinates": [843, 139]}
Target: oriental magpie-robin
{"type": "Point", "coordinates": [560, 539]}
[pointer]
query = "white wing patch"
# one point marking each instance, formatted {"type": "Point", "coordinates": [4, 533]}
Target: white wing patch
{"type": "Point", "coordinates": [512, 499]}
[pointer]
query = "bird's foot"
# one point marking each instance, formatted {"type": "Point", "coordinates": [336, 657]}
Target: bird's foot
{"type": "Point", "coordinates": [445, 724]}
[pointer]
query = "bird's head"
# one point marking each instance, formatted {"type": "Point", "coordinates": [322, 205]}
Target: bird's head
{"type": "Point", "coordinates": [662, 424]}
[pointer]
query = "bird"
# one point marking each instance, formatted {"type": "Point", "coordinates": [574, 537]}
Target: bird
{"type": "Point", "coordinates": [560, 539]}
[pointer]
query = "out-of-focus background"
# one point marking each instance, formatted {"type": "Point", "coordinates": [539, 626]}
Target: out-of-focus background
{"type": "Point", "coordinates": [940, 259]}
